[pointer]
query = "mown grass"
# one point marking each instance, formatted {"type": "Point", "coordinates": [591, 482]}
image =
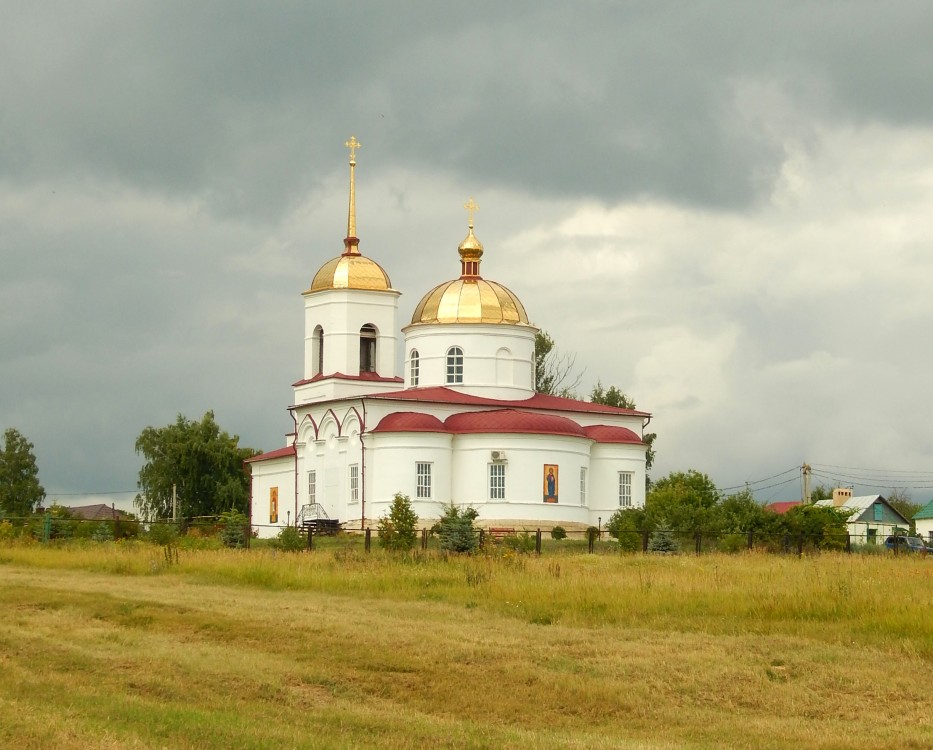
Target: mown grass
{"type": "Point", "coordinates": [342, 649]}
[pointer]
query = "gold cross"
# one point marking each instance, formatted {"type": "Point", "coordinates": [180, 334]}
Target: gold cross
{"type": "Point", "coordinates": [471, 207]}
{"type": "Point", "coordinates": [353, 145]}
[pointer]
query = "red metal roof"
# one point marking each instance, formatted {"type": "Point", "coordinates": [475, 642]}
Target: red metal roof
{"type": "Point", "coordinates": [288, 450]}
{"type": "Point", "coordinates": [604, 433]}
{"type": "Point", "coordinates": [440, 394]}
{"type": "Point", "coordinates": [783, 506]}
{"type": "Point", "coordinates": [512, 420]}
{"type": "Point", "coordinates": [409, 421]}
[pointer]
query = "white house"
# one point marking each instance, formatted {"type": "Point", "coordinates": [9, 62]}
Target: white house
{"type": "Point", "coordinates": [923, 520]}
{"type": "Point", "coordinates": [462, 424]}
{"type": "Point", "coordinates": [872, 517]}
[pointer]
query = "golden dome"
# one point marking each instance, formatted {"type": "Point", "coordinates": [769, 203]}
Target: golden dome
{"type": "Point", "coordinates": [351, 271]}
{"type": "Point", "coordinates": [471, 298]}
{"type": "Point", "coordinates": [470, 301]}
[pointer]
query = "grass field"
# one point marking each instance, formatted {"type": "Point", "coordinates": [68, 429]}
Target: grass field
{"type": "Point", "coordinates": [110, 646]}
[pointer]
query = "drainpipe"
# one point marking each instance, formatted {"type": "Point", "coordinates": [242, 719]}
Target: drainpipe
{"type": "Point", "coordinates": [295, 447]}
{"type": "Point", "coordinates": [363, 468]}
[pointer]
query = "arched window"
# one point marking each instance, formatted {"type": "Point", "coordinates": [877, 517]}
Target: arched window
{"type": "Point", "coordinates": [414, 368]}
{"type": "Point", "coordinates": [368, 348]}
{"type": "Point", "coordinates": [318, 350]}
{"type": "Point", "coordinates": [454, 365]}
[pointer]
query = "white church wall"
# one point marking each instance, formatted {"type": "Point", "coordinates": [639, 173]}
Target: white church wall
{"type": "Point", "coordinates": [392, 460]}
{"type": "Point", "coordinates": [607, 461]}
{"type": "Point", "coordinates": [272, 479]}
{"type": "Point", "coordinates": [491, 354]}
{"type": "Point", "coordinates": [526, 459]}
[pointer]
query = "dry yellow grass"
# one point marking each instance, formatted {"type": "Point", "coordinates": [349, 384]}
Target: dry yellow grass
{"type": "Point", "coordinates": [107, 647]}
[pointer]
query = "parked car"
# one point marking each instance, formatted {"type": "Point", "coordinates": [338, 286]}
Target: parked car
{"type": "Point", "coordinates": [907, 544]}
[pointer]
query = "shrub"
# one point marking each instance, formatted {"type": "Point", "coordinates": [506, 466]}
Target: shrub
{"type": "Point", "coordinates": [289, 540]}
{"type": "Point", "coordinates": [558, 532]}
{"type": "Point", "coordinates": [234, 527]}
{"type": "Point", "coordinates": [663, 541]}
{"type": "Point", "coordinates": [455, 529]}
{"type": "Point", "coordinates": [626, 526]}
{"type": "Point", "coordinates": [398, 529]}
{"type": "Point", "coordinates": [163, 534]}
{"type": "Point", "coordinates": [523, 543]}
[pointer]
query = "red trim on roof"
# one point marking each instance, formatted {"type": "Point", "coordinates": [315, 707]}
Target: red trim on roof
{"type": "Point", "coordinates": [409, 421]}
{"type": "Point", "coordinates": [604, 433]}
{"type": "Point", "coordinates": [512, 421]}
{"type": "Point", "coordinates": [288, 450]}
{"type": "Point", "coordinates": [370, 376]}
{"type": "Point", "coordinates": [440, 394]}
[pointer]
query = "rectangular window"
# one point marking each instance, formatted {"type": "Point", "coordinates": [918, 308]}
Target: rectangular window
{"type": "Point", "coordinates": [273, 505]}
{"type": "Point", "coordinates": [625, 489]}
{"type": "Point", "coordinates": [423, 490]}
{"type": "Point", "coordinates": [879, 511]}
{"type": "Point", "coordinates": [354, 483]}
{"type": "Point", "coordinates": [497, 481]}
{"type": "Point", "coordinates": [312, 487]}
{"type": "Point", "coordinates": [582, 485]}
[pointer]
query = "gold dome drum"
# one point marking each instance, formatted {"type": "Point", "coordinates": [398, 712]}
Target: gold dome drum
{"type": "Point", "coordinates": [470, 301]}
{"type": "Point", "coordinates": [351, 271]}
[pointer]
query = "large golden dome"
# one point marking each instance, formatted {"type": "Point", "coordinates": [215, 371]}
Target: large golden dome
{"type": "Point", "coordinates": [471, 298]}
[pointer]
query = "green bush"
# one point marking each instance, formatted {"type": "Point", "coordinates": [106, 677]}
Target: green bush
{"type": "Point", "coordinates": [163, 534]}
{"type": "Point", "coordinates": [663, 541]}
{"type": "Point", "coordinates": [455, 529]}
{"type": "Point", "coordinates": [558, 532]}
{"type": "Point", "coordinates": [289, 539]}
{"type": "Point", "coordinates": [234, 527]}
{"type": "Point", "coordinates": [626, 526]}
{"type": "Point", "coordinates": [398, 530]}
{"type": "Point", "coordinates": [523, 543]}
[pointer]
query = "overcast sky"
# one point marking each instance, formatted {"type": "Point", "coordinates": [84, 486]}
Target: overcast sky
{"type": "Point", "coordinates": [723, 208]}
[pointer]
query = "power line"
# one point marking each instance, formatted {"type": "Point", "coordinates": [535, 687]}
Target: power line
{"type": "Point", "coordinates": [875, 471]}
{"type": "Point", "coordinates": [92, 494]}
{"type": "Point", "coordinates": [759, 481]}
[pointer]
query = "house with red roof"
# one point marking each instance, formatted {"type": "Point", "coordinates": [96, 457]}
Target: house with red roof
{"type": "Point", "coordinates": [461, 424]}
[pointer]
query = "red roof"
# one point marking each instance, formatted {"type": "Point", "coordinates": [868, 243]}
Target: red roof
{"type": "Point", "coordinates": [512, 420]}
{"type": "Point", "coordinates": [782, 507]}
{"type": "Point", "coordinates": [604, 433]}
{"type": "Point", "coordinates": [440, 394]}
{"type": "Point", "coordinates": [340, 376]}
{"type": "Point", "coordinates": [288, 450]}
{"type": "Point", "coordinates": [409, 421]}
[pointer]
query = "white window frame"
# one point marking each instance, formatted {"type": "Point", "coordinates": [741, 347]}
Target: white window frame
{"type": "Point", "coordinates": [454, 366]}
{"type": "Point", "coordinates": [354, 495]}
{"type": "Point", "coordinates": [582, 485]}
{"type": "Point", "coordinates": [414, 368]}
{"type": "Point", "coordinates": [423, 480]}
{"type": "Point", "coordinates": [497, 481]}
{"type": "Point", "coordinates": [625, 489]}
{"type": "Point", "coordinates": [312, 487]}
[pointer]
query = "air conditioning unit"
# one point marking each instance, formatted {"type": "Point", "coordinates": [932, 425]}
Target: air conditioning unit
{"type": "Point", "coordinates": [498, 456]}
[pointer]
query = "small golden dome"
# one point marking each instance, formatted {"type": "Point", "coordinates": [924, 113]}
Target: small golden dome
{"type": "Point", "coordinates": [471, 300]}
{"type": "Point", "coordinates": [350, 271]}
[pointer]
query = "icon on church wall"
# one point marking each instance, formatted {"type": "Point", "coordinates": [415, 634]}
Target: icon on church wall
{"type": "Point", "coordinates": [273, 505]}
{"type": "Point", "coordinates": [550, 483]}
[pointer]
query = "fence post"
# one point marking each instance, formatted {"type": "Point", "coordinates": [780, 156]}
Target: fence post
{"type": "Point", "coordinates": [369, 536]}
{"type": "Point", "coordinates": [849, 543]}
{"type": "Point", "coordinates": [310, 537]}
{"type": "Point", "coordinates": [699, 542]}
{"type": "Point", "coordinates": [800, 546]}
{"type": "Point", "coordinates": [644, 540]}
{"type": "Point", "coordinates": [47, 527]}
{"type": "Point", "coordinates": [482, 538]}
{"type": "Point", "coordinates": [538, 542]}
{"type": "Point", "coordinates": [590, 539]}
{"type": "Point", "coordinates": [424, 538]}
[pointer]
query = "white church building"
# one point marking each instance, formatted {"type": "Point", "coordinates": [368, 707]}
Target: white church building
{"type": "Point", "coordinates": [461, 424]}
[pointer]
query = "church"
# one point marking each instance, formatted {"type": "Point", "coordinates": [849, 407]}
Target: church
{"type": "Point", "coordinates": [460, 424]}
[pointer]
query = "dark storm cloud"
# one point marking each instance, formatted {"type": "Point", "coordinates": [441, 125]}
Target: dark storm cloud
{"type": "Point", "coordinates": [228, 101]}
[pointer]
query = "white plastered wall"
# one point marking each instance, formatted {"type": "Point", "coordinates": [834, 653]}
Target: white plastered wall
{"type": "Point", "coordinates": [608, 459]}
{"type": "Point", "coordinates": [498, 360]}
{"type": "Point", "coordinates": [275, 473]}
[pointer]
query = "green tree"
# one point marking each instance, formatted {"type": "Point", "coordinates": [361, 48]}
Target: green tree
{"type": "Point", "coordinates": [822, 526]}
{"type": "Point", "coordinates": [901, 502]}
{"type": "Point", "coordinates": [614, 397]}
{"type": "Point", "coordinates": [20, 491]}
{"type": "Point", "coordinates": [741, 512]}
{"type": "Point", "coordinates": [455, 529]}
{"type": "Point", "coordinates": [201, 460]}
{"type": "Point", "coordinates": [685, 501]}
{"type": "Point", "coordinates": [627, 525]}
{"type": "Point", "coordinates": [554, 373]}
{"type": "Point", "coordinates": [398, 529]}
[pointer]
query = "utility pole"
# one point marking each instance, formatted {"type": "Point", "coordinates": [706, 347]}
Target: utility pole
{"type": "Point", "coordinates": [805, 472]}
